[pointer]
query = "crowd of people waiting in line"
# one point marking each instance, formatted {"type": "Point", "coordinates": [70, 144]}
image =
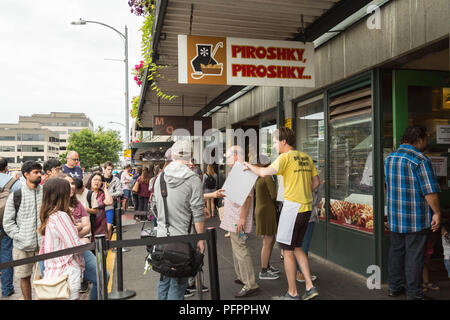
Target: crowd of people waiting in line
{"type": "Point", "coordinates": [50, 208]}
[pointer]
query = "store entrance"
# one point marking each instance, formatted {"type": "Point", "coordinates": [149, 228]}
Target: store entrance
{"type": "Point", "coordinates": [423, 98]}
{"type": "Point", "coordinates": [430, 107]}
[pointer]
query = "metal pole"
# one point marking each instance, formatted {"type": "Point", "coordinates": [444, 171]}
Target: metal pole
{"type": "Point", "coordinates": [127, 111]}
{"type": "Point", "coordinates": [121, 293]}
{"type": "Point", "coordinates": [100, 250]}
{"type": "Point", "coordinates": [213, 265]}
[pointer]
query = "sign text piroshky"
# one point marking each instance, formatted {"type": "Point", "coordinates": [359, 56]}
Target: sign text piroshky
{"type": "Point", "coordinates": [239, 61]}
{"type": "Point", "coordinates": [166, 125]}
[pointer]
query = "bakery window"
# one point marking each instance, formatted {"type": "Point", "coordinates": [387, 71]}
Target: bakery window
{"type": "Point", "coordinates": [310, 133]}
{"type": "Point", "coordinates": [351, 156]}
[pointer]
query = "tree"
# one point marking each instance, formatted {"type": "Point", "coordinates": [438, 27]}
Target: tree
{"type": "Point", "coordinates": [94, 148]}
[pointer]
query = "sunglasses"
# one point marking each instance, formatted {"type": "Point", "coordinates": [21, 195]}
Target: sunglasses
{"type": "Point", "coordinates": [75, 159]}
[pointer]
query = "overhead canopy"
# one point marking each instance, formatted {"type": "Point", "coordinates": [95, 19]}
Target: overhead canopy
{"type": "Point", "coordinates": [256, 19]}
{"type": "Point", "coordinates": [150, 151]}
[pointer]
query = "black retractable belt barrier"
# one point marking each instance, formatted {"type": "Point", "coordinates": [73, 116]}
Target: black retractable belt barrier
{"type": "Point", "coordinates": [121, 293]}
{"type": "Point", "coordinates": [213, 265]}
{"type": "Point", "coordinates": [102, 278]}
{"type": "Point", "coordinates": [51, 255]}
{"type": "Point", "coordinates": [102, 246]}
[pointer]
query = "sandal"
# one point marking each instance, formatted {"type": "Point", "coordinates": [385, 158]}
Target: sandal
{"type": "Point", "coordinates": [431, 286]}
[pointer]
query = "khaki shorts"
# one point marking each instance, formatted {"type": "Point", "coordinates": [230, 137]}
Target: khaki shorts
{"type": "Point", "coordinates": [25, 270]}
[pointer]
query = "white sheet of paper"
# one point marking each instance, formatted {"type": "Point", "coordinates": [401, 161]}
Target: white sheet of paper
{"type": "Point", "coordinates": [280, 192]}
{"type": "Point", "coordinates": [287, 221]}
{"type": "Point", "coordinates": [239, 183]}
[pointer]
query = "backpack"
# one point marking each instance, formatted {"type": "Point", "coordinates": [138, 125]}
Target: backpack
{"type": "Point", "coordinates": [175, 259]}
{"type": "Point", "coordinates": [4, 194]}
{"type": "Point", "coordinates": [210, 182]}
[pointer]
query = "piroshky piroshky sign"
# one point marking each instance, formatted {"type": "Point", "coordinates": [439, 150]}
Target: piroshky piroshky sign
{"type": "Point", "coordinates": [239, 61]}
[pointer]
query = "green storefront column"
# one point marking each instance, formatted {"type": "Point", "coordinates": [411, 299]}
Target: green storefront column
{"type": "Point", "coordinates": [401, 80]}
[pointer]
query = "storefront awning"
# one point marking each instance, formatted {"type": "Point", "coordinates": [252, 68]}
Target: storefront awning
{"type": "Point", "coordinates": [255, 19]}
{"type": "Point", "coordinates": [150, 151]}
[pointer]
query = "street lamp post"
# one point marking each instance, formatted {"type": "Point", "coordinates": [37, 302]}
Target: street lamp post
{"type": "Point", "coordinates": [122, 293]}
{"type": "Point", "coordinates": [125, 37]}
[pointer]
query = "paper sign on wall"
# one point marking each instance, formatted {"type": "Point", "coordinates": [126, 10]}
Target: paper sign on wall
{"type": "Point", "coordinates": [443, 134]}
{"type": "Point", "coordinates": [439, 165]}
{"type": "Point", "coordinates": [239, 61]}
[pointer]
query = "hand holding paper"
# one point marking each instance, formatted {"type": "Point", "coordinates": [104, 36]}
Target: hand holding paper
{"type": "Point", "coordinates": [239, 183]}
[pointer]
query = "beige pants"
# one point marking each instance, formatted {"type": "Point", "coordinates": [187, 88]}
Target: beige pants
{"type": "Point", "coordinates": [242, 259]}
{"type": "Point", "coordinates": [24, 270]}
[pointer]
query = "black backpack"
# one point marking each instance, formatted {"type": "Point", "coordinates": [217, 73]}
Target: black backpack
{"type": "Point", "coordinates": [210, 182]}
{"type": "Point", "coordinates": [178, 259]}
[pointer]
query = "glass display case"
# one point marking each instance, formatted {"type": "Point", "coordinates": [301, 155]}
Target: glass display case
{"type": "Point", "coordinates": [310, 132]}
{"type": "Point", "coordinates": [351, 160]}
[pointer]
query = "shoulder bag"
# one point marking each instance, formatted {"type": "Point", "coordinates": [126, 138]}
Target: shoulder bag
{"type": "Point", "coordinates": [54, 288]}
{"type": "Point", "coordinates": [178, 259]}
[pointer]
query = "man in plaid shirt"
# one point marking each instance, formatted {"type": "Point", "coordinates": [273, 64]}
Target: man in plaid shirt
{"type": "Point", "coordinates": [411, 188]}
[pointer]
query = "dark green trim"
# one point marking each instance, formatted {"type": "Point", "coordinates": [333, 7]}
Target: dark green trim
{"type": "Point", "coordinates": [280, 109]}
{"type": "Point", "coordinates": [326, 118]}
{"type": "Point", "coordinates": [401, 79]}
{"type": "Point", "coordinates": [350, 85]}
{"type": "Point", "coordinates": [307, 96]}
{"type": "Point", "coordinates": [378, 169]}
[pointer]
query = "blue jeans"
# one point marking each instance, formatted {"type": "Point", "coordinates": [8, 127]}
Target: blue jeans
{"type": "Point", "coordinates": [6, 256]}
{"type": "Point", "coordinates": [405, 262]}
{"type": "Point", "coordinates": [306, 241]}
{"type": "Point", "coordinates": [90, 272]}
{"type": "Point", "coordinates": [172, 288]}
{"type": "Point", "coordinates": [447, 266]}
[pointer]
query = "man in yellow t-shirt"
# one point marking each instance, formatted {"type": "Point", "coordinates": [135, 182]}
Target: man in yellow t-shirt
{"type": "Point", "coordinates": [300, 178]}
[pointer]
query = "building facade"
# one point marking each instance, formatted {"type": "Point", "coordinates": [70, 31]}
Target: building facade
{"type": "Point", "coordinates": [379, 67]}
{"type": "Point", "coordinates": [39, 137]}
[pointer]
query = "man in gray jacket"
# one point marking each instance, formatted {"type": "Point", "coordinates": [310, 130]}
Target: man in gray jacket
{"type": "Point", "coordinates": [22, 226]}
{"type": "Point", "coordinates": [184, 199]}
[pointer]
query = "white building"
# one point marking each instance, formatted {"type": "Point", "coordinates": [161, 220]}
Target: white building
{"type": "Point", "coordinates": [39, 137]}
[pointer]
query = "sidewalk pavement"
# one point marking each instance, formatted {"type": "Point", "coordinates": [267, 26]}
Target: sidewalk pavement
{"type": "Point", "coordinates": [333, 282]}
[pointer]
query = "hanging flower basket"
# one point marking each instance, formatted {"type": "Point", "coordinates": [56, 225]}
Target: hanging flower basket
{"type": "Point", "coordinates": [138, 72]}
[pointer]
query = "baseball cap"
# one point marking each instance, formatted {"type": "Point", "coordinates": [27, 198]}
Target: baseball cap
{"type": "Point", "coordinates": [182, 150]}
{"type": "Point", "coordinates": [168, 155]}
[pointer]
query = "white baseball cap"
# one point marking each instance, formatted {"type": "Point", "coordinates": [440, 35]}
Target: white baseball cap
{"type": "Point", "coordinates": [181, 150]}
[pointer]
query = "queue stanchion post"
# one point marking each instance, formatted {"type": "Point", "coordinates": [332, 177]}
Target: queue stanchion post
{"type": "Point", "coordinates": [100, 254]}
{"type": "Point", "coordinates": [120, 294]}
{"type": "Point", "coordinates": [213, 264]}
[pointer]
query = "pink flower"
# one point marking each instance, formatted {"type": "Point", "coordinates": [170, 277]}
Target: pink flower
{"type": "Point", "coordinates": [136, 67]}
{"type": "Point", "coordinates": [139, 82]}
{"type": "Point", "coordinates": [135, 78]}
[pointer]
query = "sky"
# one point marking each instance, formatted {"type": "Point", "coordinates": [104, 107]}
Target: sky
{"type": "Point", "coordinates": [48, 65]}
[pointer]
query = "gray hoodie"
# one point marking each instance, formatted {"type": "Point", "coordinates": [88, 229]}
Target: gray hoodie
{"type": "Point", "coordinates": [115, 188]}
{"type": "Point", "coordinates": [22, 228]}
{"type": "Point", "coordinates": [184, 198]}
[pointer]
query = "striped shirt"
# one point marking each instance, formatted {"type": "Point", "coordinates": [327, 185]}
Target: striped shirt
{"type": "Point", "coordinates": [409, 177]}
{"type": "Point", "coordinates": [232, 213]}
{"type": "Point", "coordinates": [60, 233]}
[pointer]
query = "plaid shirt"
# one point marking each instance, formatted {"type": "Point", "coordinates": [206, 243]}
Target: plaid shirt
{"type": "Point", "coordinates": [409, 177]}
